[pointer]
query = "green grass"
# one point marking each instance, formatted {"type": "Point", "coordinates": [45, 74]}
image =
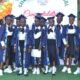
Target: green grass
{"type": "Point", "coordinates": [59, 76]}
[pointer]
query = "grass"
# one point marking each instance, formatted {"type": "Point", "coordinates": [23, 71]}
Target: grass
{"type": "Point", "coordinates": [59, 76]}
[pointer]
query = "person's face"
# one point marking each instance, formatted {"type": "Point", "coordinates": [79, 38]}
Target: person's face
{"type": "Point", "coordinates": [23, 22]}
{"type": "Point", "coordinates": [71, 20]}
{"type": "Point", "coordinates": [18, 22]}
{"type": "Point", "coordinates": [51, 22]}
{"type": "Point", "coordinates": [8, 21]}
{"type": "Point", "coordinates": [12, 21]}
{"type": "Point", "coordinates": [59, 19]}
{"type": "Point", "coordinates": [42, 22]}
{"type": "Point", "coordinates": [37, 22]}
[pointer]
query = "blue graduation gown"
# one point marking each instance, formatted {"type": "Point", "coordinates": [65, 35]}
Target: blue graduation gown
{"type": "Point", "coordinates": [15, 40]}
{"type": "Point", "coordinates": [4, 36]}
{"type": "Point", "coordinates": [32, 35]}
{"type": "Point", "coordinates": [60, 44]}
{"type": "Point", "coordinates": [10, 52]}
{"type": "Point", "coordinates": [56, 54]}
{"type": "Point", "coordinates": [44, 55]}
{"type": "Point", "coordinates": [32, 40]}
{"type": "Point", "coordinates": [76, 38]}
{"type": "Point", "coordinates": [2, 51]}
{"type": "Point", "coordinates": [79, 41]}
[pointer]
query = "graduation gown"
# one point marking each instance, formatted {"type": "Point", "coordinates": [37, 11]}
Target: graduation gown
{"type": "Point", "coordinates": [9, 30]}
{"type": "Point", "coordinates": [2, 43]}
{"type": "Point", "coordinates": [54, 47]}
{"type": "Point", "coordinates": [71, 38]}
{"type": "Point", "coordinates": [44, 55]}
{"type": "Point", "coordinates": [25, 47]}
{"type": "Point", "coordinates": [59, 40]}
{"type": "Point", "coordinates": [6, 32]}
{"type": "Point", "coordinates": [35, 40]}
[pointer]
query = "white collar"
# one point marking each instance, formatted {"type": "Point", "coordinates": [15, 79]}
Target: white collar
{"type": "Point", "coordinates": [59, 24]}
{"type": "Point", "coordinates": [43, 27]}
{"type": "Point", "coordinates": [38, 27]}
{"type": "Point", "coordinates": [51, 27]}
{"type": "Point", "coordinates": [71, 24]}
{"type": "Point", "coordinates": [23, 27]}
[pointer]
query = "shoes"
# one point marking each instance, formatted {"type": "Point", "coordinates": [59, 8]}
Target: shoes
{"type": "Point", "coordinates": [53, 70]}
{"type": "Point", "coordinates": [8, 70]}
{"type": "Point", "coordinates": [1, 72]}
{"type": "Point", "coordinates": [69, 71]}
{"type": "Point", "coordinates": [64, 69]}
{"type": "Point", "coordinates": [25, 72]}
{"type": "Point", "coordinates": [77, 71]}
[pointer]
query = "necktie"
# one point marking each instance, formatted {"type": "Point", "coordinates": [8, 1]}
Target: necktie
{"type": "Point", "coordinates": [36, 31]}
{"type": "Point", "coordinates": [50, 30]}
{"type": "Point", "coordinates": [22, 30]}
{"type": "Point", "coordinates": [10, 28]}
{"type": "Point", "coordinates": [70, 27]}
{"type": "Point", "coordinates": [58, 26]}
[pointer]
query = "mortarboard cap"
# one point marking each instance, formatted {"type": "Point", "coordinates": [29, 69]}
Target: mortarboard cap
{"type": "Point", "coordinates": [12, 16]}
{"type": "Point", "coordinates": [17, 18]}
{"type": "Point", "coordinates": [22, 17]}
{"type": "Point", "coordinates": [50, 18]}
{"type": "Point", "coordinates": [60, 14]}
{"type": "Point", "coordinates": [38, 14]}
{"type": "Point", "coordinates": [71, 15]}
{"type": "Point", "coordinates": [8, 17]}
{"type": "Point", "coordinates": [43, 18]}
{"type": "Point", "coordinates": [37, 17]}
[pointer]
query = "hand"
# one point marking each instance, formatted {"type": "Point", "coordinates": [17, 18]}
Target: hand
{"type": "Point", "coordinates": [4, 47]}
{"type": "Point", "coordinates": [30, 47]}
{"type": "Point", "coordinates": [77, 49]}
{"type": "Point", "coordinates": [44, 47]}
{"type": "Point", "coordinates": [14, 47]}
{"type": "Point", "coordinates": [29, 50]}
{"type": "Point", "coordinates": [67, 46]}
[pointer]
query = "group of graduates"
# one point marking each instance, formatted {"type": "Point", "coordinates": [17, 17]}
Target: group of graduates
{"type": "Point", "coordinates": [40, 47]}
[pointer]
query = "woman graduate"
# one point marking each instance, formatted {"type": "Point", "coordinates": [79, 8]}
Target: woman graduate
{"type": "Point", "coordinates": [36, 45]}
{"type": "Point", "coordinates": [70, 39]}
{"type": "Point", "coordinates": [17, 26]}
{"type": "Point", "coordinates": [44, 55]}
{"type": "Point", "coordinates": [77, 59]}
{"type": "Point", "coordinates": [21, 45]}
{"type": "Point", "coordinates": [59, 27]}
{"type": "Point", "coordinates": [8, 33]}
{"type": "Point", "coordinates": [52, 45]}
{"type": "Point", "coordinates": [2, 48]}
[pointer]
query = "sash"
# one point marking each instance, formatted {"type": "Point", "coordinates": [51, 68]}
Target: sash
{"type": "Point", "coordinates": [24, 51]}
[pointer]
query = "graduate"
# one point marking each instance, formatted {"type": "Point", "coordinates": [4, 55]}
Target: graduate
{"type": "Point", "coordinates": [52, 45]}
{"type": "Point", "coordinates": [36, 45]}
{"type": "Point", "coordinates": [59, 27]}
{"type": "Point", "coordinates": [2, 48]}
{"type": "Point", "coordinates": [21, 46]}
{"type": "Point", "coordinates": [17, 26]}
{"type": "Point", "coordinates": [44, 55]}
{"type": "Point", "coordinates": [70, 38]}
{"type": "Point", "coordinates": [77, 71]}
{"type": "Point", "coordinates": [9, 30]}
